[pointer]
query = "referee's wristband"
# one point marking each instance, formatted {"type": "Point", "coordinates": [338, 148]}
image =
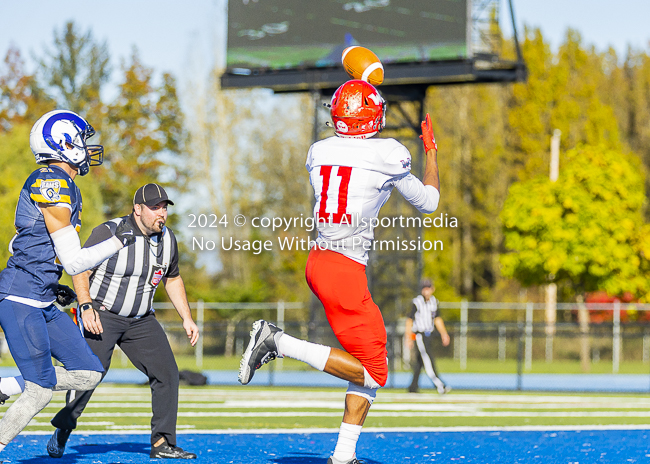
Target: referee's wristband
{"type": "Point", "coordinates": [83, 307]}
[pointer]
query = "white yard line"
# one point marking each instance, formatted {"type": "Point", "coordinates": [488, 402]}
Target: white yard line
{"type": "Point", "coordinates": [377, 406]}
{"type": "Point", "coordinates": [208, 395]}
{"type": "Point", "coordinates": [334, 430]}
{"type": "Point", "coordinates": [379, 414]}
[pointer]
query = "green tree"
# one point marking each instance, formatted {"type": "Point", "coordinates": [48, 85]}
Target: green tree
{"type": "Point", "coordinates": [562, 92]}
{"type": "Point", "coordinates": [248, 154]}
{"type": "Point", "coordinates": [583, 231]}
{"type": "Point", "coordinates": [142, 130]}
{"type": "Point", "coordinates": [626, 90]}
{"type": "Point", "coordinates": [22, 100]}
{"type": "Point", "coordinates": [76, 69]}
{"type": "Point", "coordinates": [475, 171]}
{"type": "Point", "coordinates": [493, 135]}
{"type": "Point", "coordinates": [15, 158]}
{"type": "Point", "coordinates": [143, 134]}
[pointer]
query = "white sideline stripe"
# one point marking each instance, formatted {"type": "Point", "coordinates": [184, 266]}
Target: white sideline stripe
{"type": "Point", "coordinates": [35, 423]}
{"type": "Point", "coordinates": [525, 428]}
{"type": "Point", "coordinates": [383, 406]}
{"type": "Point", "coordinates": [505, 401]}
{"type": "Point", "coordinates": [110, 425]}
{"type": "Point", "coordinates": [384, 414]}
{"type": "Point", "coordinates": [266, 405]}
{"type": "Point", "coordinates": [377, 406]}
{"type": "Point", "coordinates": [209, 395]}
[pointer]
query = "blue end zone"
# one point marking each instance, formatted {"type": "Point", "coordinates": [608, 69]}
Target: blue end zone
{"type": "Point", "coordinates": [472, 446]}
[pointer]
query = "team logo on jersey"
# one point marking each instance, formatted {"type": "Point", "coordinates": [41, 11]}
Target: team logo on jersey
{"type": "Point", "coordinates": [158, 274]}
{"type": "Point", "coordinates": [50, 189]}
{"type": "Point", "coordinates": [406, 164]}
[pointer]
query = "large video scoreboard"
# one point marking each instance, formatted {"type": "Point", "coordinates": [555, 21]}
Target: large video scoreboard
{"type": "Point", "coordinates": [283, 34]}
{"type": "Point", "coordinates": [296, 45]}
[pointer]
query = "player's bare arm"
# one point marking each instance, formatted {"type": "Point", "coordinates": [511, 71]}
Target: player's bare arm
{"type": "Point", "coordinates": [431, 176]}
{"type": "Point", "coordinates": [56, 217]}
{"type": "Point", "coordinates": [175, 289]}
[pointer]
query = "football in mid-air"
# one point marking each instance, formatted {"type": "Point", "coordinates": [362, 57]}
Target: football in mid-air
{"type": "Point", "coordinates": [361, 63]}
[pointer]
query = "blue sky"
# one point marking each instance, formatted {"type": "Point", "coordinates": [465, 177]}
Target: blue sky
{"type": "Point", "coordinates": [187, 37]}
{"type": "Point", "coordinates": [602, 23]}
{"type": "Point", "coordinates": [175, 36]}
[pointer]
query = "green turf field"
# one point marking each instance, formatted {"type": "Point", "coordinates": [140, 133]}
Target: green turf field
{"type": "Point", "coordinates": [445, 365]}
{"type": "Point", "coordinates": [207, 408]}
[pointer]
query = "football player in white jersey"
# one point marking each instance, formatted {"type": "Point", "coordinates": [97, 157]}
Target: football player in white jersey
{"type": "Point", "coordinates": [352, 175]}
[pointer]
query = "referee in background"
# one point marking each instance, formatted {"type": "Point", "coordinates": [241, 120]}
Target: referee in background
{"type": "Point", "coordinates": [420, 324]}
{"type": "Point", "coordinates": [115, 308]}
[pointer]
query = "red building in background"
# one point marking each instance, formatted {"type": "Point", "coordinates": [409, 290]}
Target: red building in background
{"type": "Point", "coordinates": [598, 316]}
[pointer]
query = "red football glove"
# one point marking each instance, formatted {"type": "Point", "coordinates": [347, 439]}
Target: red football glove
{"type": "Point", "coordinates": [427, 135]}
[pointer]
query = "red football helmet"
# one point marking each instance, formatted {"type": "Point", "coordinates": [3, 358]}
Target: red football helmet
{"type": "Point", "coordinates": [358, 111]}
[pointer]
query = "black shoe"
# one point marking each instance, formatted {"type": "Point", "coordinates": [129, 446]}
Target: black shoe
{"type": "Point", "coordinates": [166, 451]}
{"type": "Point", "coordinates": [56, 445]}
{"type": "Point", "coordinates": [3, 397]}
{"type": "Point", "coordinates": [354, 461]}
{"type": "Point", "coordinates": [261, 349]}
{"type": "Point", "coordinates": [413, 390]}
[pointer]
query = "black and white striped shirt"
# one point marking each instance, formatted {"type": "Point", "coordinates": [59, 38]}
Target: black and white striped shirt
{"type": "Point", "coordinates": [125, 283]}
{"type": "Point", "coordinates": [423, 314]}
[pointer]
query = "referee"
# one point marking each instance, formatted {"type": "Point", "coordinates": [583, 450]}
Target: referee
{"type": "Point", "coordinates": [115, 305]}
{"type": "Point", "coordinates": [420, 325]}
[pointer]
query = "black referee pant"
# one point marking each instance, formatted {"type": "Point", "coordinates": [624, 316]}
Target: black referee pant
{"type": "Point", "coordinates": [145, 344]}
{"type": "Point", "coordinates": [422, 356]}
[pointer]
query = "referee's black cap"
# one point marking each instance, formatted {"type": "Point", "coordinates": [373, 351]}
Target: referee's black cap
{"type": "Point", "coordinates": [426, 283]}
{"type": "Point", "coordinates": [151, 195]}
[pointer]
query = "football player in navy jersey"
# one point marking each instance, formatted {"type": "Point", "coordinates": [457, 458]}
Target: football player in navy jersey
{"type": "Point", "coordinates": [46, 243]}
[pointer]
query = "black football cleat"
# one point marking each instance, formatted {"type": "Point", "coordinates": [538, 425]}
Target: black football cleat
{"type": "Point", "coordinates": [3, 397]}
{"type": "Point", "coordinates": [56, 445]}
{"type": "Point", "coordinates": [353, 461]}
{"type": "Point", "coordinates": [261, 349]}
{"type": "Point", "coordinates": [166, 451]}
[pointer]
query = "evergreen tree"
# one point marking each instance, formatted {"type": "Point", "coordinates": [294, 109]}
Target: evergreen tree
{"type": "Point", "coordinates": [76, 69]}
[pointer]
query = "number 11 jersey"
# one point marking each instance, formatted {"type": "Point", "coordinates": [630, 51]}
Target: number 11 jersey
{"type": "Point", "coordinates": [352, 179]}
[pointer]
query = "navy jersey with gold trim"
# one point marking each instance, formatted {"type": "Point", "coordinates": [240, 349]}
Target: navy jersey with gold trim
{"type": "Point", "coordinates": [33, 271]}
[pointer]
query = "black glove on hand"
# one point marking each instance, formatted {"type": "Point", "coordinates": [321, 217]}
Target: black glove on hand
{"type": "Point", "coordinates": [125, 233]}
{"type": "Point", "coordinates": [65, 295]}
